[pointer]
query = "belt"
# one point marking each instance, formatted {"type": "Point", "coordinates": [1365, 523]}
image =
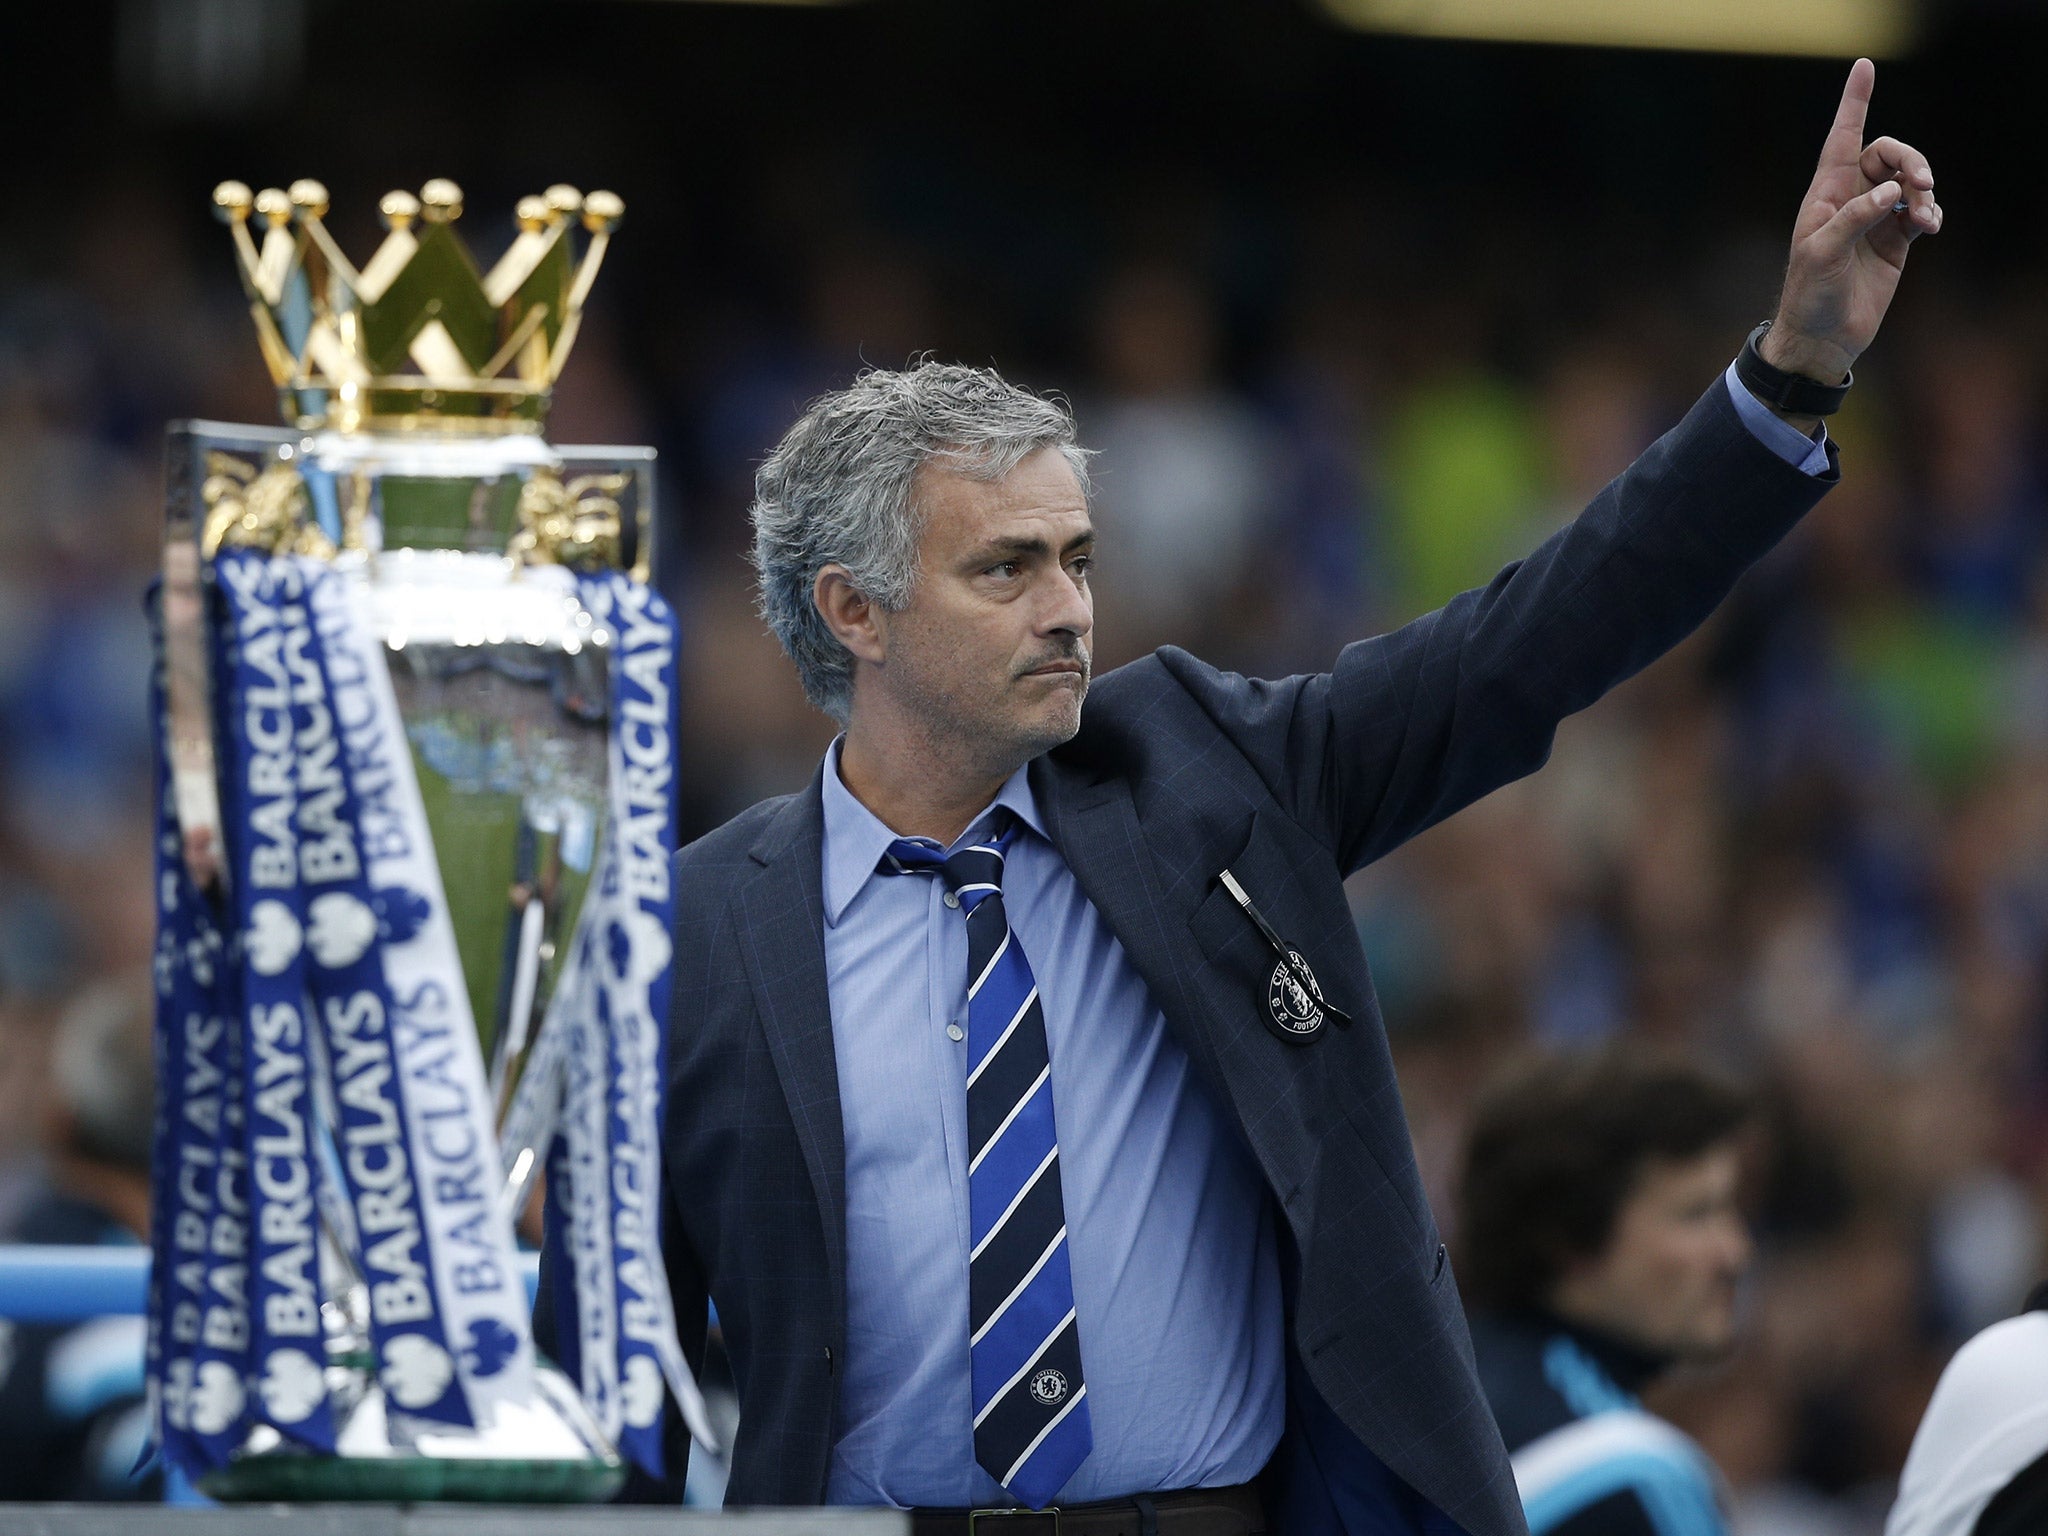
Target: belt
{"type": "Point", "coordinates": [1192, 1512]}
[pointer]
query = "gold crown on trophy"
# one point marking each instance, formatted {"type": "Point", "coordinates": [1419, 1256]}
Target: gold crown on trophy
{"type": "Point", "coordinates": [420, 338]}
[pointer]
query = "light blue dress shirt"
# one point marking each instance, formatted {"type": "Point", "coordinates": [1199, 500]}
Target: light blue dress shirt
{"type": "Point", "coordinates": [1176, 1279]}
{"type": "Point", "coordinates": [1176, 1275]}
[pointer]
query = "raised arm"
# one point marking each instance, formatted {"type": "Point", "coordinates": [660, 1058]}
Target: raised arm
{"type": "Point", "coordinates": [1413, 725]}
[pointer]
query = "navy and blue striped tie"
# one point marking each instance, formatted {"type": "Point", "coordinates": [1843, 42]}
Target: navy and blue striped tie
{"type": "Point", "coordinates": [1030, 1400]}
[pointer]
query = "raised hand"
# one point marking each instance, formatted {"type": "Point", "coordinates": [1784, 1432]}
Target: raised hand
{"type": "Point", "coordinates": [1849, 244]}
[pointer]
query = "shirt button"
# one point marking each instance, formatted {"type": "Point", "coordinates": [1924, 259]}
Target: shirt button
{"type": "Point", "coordinates": [951, 898]}
{"type": "Point", "coordinates": [955, 1032]}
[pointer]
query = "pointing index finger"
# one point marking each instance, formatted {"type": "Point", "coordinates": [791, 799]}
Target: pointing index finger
{"type": "Point", "coordinates": [1844, 145]}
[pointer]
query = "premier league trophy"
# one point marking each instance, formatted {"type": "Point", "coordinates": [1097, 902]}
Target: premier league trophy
{"type": "Point", "coordinates": [417, 792]}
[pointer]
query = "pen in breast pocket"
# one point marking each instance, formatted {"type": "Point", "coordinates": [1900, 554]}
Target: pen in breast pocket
{"type": "Point", "coordinates": [1303, 977]}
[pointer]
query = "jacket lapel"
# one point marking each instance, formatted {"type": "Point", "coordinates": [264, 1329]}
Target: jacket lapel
{"type": "Point", "coordinates": [781, 933]}
{"type": "Point", "coordinates": [1094, 824]}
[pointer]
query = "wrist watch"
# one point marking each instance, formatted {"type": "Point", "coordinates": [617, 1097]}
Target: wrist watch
{"type": "Point", "coordinates": [1790, 392]}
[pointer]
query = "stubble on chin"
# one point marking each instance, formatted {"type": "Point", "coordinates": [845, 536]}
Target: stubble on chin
{"type": "Point", "coordinates": [1063, 723]}
{"type": "Point", "coordinates": [999, 732]}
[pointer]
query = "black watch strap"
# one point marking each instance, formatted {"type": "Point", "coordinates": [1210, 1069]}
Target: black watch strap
{"type": "Point", "coordinates": [1787, 391]}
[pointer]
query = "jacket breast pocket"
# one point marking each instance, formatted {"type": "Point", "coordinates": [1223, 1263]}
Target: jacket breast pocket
{"type": "Point", "coordinates": [1277, 944]}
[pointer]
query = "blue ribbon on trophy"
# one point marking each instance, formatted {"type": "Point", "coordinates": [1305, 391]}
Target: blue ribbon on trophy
{"type": "Point", "coordinates": [212, 1395]}
{"type": "Point", "coordinates": [340, 986]}
{"type": "Point", "coordinates": [593, 1087]}
{"type": "Point", "coordinates": [579, 1166]}
{"type": "Point", "coordinates": [166, 1051]}
{"type": "Point", "coordinates": [219, 1402]}
{"type": "Point", "coordinates": [305, 990]}
{"type": "Point", "coordinates": [458, 1342]}
{"type": "Point", "coordinates": [633, 971]}
{"type": "Point", "coordinates": [273, 689]}
{"type": "Point", "coordinates": [191, 965]}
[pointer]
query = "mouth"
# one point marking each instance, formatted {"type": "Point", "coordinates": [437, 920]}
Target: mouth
{"type": "Point", "coordinates": [1072, 669]}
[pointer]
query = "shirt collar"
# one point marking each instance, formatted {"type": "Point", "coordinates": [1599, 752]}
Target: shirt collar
{"type": "Point", "coordinates": [856, 839]}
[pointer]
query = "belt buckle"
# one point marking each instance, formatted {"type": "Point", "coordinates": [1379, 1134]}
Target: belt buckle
{"type": "Point", "coordinates": [976, 1516]}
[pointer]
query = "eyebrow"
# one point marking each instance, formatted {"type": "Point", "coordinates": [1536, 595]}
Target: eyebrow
{"type": "Point", "coordinates": [1024, 544]}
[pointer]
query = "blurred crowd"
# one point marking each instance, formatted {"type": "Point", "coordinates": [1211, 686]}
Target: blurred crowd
{"type": "Point", "coordinates": [1811, 846]}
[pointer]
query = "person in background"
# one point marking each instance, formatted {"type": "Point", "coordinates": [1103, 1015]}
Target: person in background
{"type": "Point", "coordinates": [71, 1398]}
{"type": "Point", "coordinates": [1603, 1245]}
{"type": "Point", "coordinates": [1979, 1463]}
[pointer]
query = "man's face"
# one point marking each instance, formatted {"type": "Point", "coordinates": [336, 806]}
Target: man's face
{"type": "Point", "coordinates": [1668, 1277]}
{"type": "Point", "coordinates": [992, 651]}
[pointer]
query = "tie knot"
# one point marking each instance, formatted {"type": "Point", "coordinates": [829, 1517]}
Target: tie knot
{"type": "Point", "coordinates": [971, 872]}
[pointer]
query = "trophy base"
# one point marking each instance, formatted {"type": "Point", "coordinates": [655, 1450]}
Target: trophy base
{"type": "Point", "coordinates": [546, 1451]}
{"type": "Point", "coordinates": [411, 1480]}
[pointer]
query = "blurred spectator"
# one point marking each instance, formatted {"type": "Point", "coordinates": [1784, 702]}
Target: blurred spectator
{"type": "Point", "coordinates": [1183, 471]}
{"type": "Point", "coordinates": [71, 1409]}
{"type": "Point", "coordinates": [1318, 569]}
{"type": "Point", "coordinates": [1602, 1247]}
{"type": "Point", "coordinates": [1464, 477]}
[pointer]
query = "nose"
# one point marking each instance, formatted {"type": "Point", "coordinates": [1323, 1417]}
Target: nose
{"type": "Point", "coordinates": [1070, 609]}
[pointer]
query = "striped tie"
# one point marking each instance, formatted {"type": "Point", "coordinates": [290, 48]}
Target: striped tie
{"type": "Point", "coordinates": [1030, 1410]}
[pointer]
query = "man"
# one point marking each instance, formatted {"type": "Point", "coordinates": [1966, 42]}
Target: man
{"type": "Point", "coordinates": [1027, 1157]}
{"type": "Point", "coordinates": [1602, 1244]}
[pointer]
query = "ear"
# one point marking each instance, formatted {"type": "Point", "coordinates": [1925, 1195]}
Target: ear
{"type": "Point", "coordinates": [855, 620]}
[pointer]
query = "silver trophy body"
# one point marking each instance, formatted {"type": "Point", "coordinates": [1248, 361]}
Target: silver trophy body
{"type": "Point", "coordinates": [501, 678]}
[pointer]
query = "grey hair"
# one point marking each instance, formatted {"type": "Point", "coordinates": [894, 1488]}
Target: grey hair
{"type": "Point", "coordinates": [839, 489]}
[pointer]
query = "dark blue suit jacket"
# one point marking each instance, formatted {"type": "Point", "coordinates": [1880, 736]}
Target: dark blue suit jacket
{"type": "Point", "coordinates": [1179, 771]}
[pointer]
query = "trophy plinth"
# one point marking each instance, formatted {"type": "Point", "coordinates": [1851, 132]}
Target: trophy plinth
{"type": "Point", "coordinates": [551, 1453]}
{"type": "Point", "coordinates": [416, 704]}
